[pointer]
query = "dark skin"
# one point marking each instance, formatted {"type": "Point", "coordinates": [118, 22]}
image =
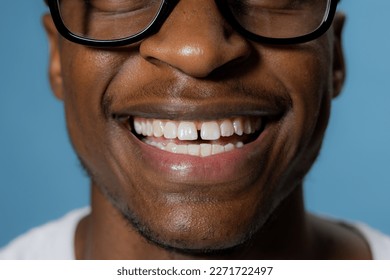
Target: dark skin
{"type": "Point", "coordinates": [198, 68]}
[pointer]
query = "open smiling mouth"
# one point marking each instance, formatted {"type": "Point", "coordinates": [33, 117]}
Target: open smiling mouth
{"type": "Point", "coordinates": [197, 138]}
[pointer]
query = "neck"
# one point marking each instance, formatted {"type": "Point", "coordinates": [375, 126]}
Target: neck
{"type": "Point", "coordinates": [105, 234]}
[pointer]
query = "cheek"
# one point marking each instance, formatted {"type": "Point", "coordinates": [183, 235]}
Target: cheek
{"type": "Point", "coordinates": [86, 75]}
{"type": "Point", "coordinates": [311, 94]}
{"type": "Point", "coordinates": [306, 75]}
{"type": "Point", "coordinates": [303, 73]}
{"type": "Point", "coordinates": [89, 76]}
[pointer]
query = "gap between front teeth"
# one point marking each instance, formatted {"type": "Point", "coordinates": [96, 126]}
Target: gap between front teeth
{"type": "Point", "coordinates": [202, 150]}
{"type": "Point", "coordinates": [187, 130]}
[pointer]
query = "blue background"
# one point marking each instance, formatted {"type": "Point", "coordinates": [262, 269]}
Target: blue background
{"type": "Point", "coordinates": [40, 177]}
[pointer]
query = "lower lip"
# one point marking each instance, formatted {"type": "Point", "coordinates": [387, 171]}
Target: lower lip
{"type": "Point", "coordinates": [229, 167]}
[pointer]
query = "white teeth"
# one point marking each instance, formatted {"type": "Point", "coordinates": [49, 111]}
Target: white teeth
{"type": "Point", "coordinates": [247, 127]}
{"type": "Point", "coordinates": [200, 150]}
{"type": "Point", "coordinates": [229, 147]}
{"type": "Point", "coordinates": [227, 128]}
{"type": "Point", "coordinates": [217, 149]}
{"type": "Point", "coordinates": [144, 129]}
{"type": "Point", "coordinates": [238, 127]}
{"type": "Point", "coordinates": [193, 150]}
{"type": "Point", "coordinates": [239, 145]}
{"type": "Point", "coordinates": [205, 150]}
{"type": "Point", "coordinates": [182, 149]}
{"type": "Point", "coordinates": [210, 131]}
{"type": "Point", "coordinates": [171, 147]}
{"type": "Point", "coordinates": [158, 128]}
{"type": "Point", "coordinates": [187, 131]}
{"type": "Point", "coordinates": [149, 128]}
{"type": "Point", "coordinates": [138, 127]}
{"type": "Point", "coordinates": [170, 130]}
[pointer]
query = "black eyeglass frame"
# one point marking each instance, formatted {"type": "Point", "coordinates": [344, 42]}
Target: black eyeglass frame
{"type": "Point", "coordinates": [167, 8]}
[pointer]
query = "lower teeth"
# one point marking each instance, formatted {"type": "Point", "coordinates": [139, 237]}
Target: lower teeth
{"type": "Point", "coordinates": [201, 150]}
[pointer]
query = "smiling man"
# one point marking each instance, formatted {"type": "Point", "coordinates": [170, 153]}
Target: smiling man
{"type": "Point", "coordinates": [197, 121]}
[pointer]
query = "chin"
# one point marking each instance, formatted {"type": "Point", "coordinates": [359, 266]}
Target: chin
{"type": "Point", "coordinates": [190, 243]}
{"type": "Point", "coordinates": [183, 231]}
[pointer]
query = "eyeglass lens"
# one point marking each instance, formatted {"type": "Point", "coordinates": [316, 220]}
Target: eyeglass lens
{"type": "Point", "coordinates": [118, 19]}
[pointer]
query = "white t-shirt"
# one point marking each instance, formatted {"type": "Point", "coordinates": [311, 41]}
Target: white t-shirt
{"type": "Point", "coordinates": [55, 240]}
{"type": "Point", "coordinates": [51, 241]}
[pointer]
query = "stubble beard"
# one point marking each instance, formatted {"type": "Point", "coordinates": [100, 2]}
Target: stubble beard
{"type": "Point", "coordinates": [153, 237]}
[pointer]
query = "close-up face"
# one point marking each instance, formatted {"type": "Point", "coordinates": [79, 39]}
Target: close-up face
{"type": "Point", "coordinates": [196, 133]}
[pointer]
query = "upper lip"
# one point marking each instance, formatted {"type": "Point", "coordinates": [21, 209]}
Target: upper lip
{"type": "Point", "coordinates": [191, 100]}
{"type": "Point", "coordinates": [210, 110]}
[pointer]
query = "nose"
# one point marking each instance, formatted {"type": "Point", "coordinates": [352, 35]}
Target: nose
{"type": "Point", "coordinates": [196, 40]}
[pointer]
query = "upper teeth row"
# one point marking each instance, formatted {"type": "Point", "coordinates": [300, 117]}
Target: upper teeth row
{"type": "Point", "coordinates": [188, 130]}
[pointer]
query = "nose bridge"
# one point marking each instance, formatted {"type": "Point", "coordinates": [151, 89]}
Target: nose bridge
{"type": "Point", "coordinates": [195, 39]}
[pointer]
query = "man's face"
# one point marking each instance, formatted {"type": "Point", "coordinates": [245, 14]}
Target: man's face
{"type": "Point", "coordinates": [197, 72]}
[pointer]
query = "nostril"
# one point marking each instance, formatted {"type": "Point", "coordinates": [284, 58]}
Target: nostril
{"type": "Point", "coordinates": [199, 59]}
{"type": "Point", "coordinates": [234, 68]}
